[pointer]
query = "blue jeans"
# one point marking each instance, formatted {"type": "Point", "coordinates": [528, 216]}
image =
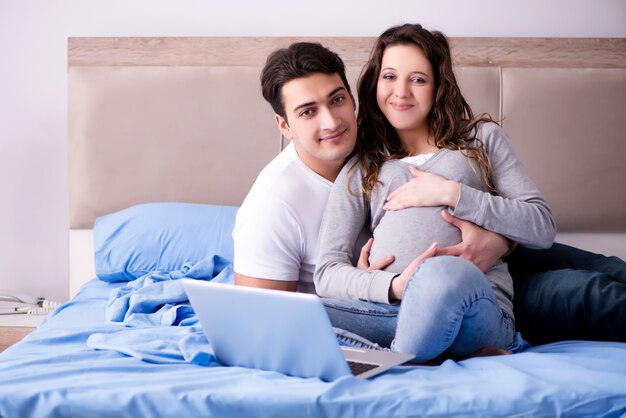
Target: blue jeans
{"type": "Point", "coordinates": [448, 306]}
{"type": "Point", "coordinates": [565, 293]}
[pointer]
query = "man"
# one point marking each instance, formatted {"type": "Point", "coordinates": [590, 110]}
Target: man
{"type": "Point", "coordinates": [277, 226]}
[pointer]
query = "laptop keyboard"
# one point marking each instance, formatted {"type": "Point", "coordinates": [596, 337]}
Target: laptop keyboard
{"type": "Point", "coordinates": [358, 368]}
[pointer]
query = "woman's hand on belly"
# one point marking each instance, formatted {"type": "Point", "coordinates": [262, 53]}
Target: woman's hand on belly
{"type": "Point", "coordinates": [364, 263]}
{"type": "Point", "coordinates": [424, 189]}
{"type": "Point", "coordinates": [398, 283]}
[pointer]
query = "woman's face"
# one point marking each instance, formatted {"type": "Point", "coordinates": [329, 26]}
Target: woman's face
{"type": "Point", "coordinates": [405, 88]}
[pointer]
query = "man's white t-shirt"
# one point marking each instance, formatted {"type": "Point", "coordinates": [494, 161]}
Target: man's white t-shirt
{"type": "Point", "coordinates": [277, 227]}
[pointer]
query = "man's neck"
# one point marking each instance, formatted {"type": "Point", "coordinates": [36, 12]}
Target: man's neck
{"type": "Point", "coordinates": [326, 169]}
{"type": "Point", "coordinates": [329, 171]}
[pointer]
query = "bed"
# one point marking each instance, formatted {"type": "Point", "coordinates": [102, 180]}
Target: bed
{"type": "Point", "coordinates": [166, 135]}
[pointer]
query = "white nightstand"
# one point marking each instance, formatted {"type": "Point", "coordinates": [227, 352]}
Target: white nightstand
{"type": "Point", "coordinates": [15, 327]}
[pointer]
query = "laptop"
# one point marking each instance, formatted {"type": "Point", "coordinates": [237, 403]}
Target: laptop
{"type": "Point", "coordinates": [281, 331]}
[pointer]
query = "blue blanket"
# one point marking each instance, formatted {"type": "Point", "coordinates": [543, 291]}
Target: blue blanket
{"type": "Point", "coordinates": [159, 324]}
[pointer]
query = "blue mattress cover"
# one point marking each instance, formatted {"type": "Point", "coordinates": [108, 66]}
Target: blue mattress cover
{"type": "Point", "coordinates": [53, 373]}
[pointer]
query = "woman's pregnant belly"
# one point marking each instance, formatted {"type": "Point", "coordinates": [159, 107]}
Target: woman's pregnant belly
{"type": "Point", "coordinates": [407, 233]}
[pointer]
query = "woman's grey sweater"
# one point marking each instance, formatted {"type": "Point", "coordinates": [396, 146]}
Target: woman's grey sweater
{"type": "Point", "coordinates": [518, 212]}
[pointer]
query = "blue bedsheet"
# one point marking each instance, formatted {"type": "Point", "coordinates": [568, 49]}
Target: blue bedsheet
{"type": "Point", "coordinates": [53, 373]}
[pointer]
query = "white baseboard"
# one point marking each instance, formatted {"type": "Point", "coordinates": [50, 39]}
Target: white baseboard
{"type": "Point", "coordinates": [82, 266]}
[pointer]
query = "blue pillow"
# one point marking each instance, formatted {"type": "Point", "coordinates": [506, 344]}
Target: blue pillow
{"type": "Point", "coordinates": [160, 237]}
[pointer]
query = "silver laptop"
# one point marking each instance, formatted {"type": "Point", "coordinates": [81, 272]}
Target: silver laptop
{"type": "Point", "coordinates": [281, 331]}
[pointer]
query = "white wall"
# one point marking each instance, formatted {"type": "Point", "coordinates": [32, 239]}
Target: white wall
{"type": "Point", "coordinates": [33, 83]}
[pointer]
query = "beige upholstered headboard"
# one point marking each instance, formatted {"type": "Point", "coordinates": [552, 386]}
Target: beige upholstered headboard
{"type": "Point", "coordinates": [182, 119]}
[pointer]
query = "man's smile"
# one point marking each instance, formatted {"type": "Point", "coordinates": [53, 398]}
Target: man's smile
{"type": "Point", "coordinates": [334, 137]}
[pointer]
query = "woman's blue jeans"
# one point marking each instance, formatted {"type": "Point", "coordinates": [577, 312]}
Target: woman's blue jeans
{"type": "Point", "coordinates": [448, 306]}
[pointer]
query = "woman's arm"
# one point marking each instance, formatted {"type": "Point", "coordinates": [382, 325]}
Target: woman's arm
{"type": "Point", "coordinates": [344, 218]}
{"type": "Point", "coordinates": [519, 211]}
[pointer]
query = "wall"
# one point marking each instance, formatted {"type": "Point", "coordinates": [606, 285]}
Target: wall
{"type": "Point", "coordinates": [33, 83]}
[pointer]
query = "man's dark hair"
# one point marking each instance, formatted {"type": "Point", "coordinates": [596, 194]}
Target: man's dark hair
{"type": "Point", "coordinates": [300, 59]}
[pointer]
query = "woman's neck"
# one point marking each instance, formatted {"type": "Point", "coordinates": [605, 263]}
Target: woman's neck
{"type": "Point", "coordinates": [417, 141]}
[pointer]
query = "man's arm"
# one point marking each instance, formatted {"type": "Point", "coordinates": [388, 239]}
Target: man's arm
{"type": "Point", "coordinates": [242, 280]}
{"type": "Point", "coordinates": [481, 247]}
{"type": "Point", "coordinates": [266, 223]}
{"type": "Point", "coordinates": [291, 286]}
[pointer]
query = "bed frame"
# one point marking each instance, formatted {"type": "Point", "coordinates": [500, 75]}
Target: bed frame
{"type": "Point", "coordinates": [196, 105]}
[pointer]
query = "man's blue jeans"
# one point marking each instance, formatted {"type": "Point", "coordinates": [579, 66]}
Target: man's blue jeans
{"type": "Point", "coordinates": [447, 306]}
{"type": "Point", "coordinates": [565, 293]}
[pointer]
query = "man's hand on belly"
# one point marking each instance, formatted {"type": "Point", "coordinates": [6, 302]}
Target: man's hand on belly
{"type": "Point", "coordinates": [481, 247]}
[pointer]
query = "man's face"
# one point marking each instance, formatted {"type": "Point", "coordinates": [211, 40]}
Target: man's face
{"type": "Point", "coordinates": [320, 121]}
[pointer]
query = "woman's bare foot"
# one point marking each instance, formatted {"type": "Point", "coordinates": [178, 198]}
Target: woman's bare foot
{"type": "Point", "coordinates": [486, 352]}
{"type": "Point", "coordinates": [483, 352]}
